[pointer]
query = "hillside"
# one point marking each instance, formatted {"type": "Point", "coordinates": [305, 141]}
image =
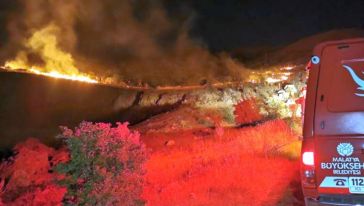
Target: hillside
{"type": "Point", "coordinates": [297, 53]}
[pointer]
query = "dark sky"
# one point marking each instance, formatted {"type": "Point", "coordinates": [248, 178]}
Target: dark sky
{"type": "Point", "coordinates": [6, 7]}
{"type": "Point", "coordinates": [228, 24]}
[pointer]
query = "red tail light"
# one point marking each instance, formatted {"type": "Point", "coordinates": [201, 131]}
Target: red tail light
{"type": "Point", "coordinates": [308, 170]}
{"type": "Point", "coordinates": [308, 158]}
{"type": "Point", "coordinates": [308, 173]}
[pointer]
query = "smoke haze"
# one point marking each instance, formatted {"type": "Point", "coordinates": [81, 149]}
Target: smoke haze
{"type": "Point", "coordinates": [134, 41]}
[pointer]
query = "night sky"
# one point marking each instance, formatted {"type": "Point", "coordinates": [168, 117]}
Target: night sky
{"type": "Point", "coordinates": [228, 24]}
{"type": "Point", "coordinates": [225, 25]}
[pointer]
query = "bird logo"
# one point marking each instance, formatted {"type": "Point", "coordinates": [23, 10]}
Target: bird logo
{"type": "Point", "coordinates": [357, 80]}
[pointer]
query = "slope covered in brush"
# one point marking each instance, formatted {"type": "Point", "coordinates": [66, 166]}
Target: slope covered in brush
{"type": "Point", "coordinates": [296, 53]}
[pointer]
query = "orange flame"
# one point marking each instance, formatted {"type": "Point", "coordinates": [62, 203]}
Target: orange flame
{"type": "Point", "coordinates": [56, 63]}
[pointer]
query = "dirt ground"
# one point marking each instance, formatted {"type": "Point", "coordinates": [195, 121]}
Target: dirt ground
{"type": "Point", "coordinates": [223, 166]}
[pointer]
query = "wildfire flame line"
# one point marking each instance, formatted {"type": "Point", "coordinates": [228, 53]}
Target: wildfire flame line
{"type": "Point", "coordinates": [58, 75]}
{"type": "Point", "coordinates": [57, 63]}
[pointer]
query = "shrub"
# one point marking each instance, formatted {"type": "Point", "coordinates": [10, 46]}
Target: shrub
{"type": "Point", "coordinates": [49, 195]}
{"type": "Point", "coordinates": [27, 178]}
{"type": "Point", "coordinates": [247, 111]}
{"type": "Point", "coordinates": [227, 113]}
{"type": "Point", "coordinates": [106, 165]}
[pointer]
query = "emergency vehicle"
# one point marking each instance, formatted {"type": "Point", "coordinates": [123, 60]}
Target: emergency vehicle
{"type": "Point", "coordinates": [332, 169]}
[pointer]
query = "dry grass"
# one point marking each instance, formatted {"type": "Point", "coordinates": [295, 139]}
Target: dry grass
{"type": "Point", "coordinates": [242, 167]}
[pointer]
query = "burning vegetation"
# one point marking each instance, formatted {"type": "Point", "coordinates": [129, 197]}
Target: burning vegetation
{"type": "Point", "coordinates": [120, 43]}
{"type": "Point", "coordinates": [52, 61]}
{"type": "Point", "coordinates": [112, 42]}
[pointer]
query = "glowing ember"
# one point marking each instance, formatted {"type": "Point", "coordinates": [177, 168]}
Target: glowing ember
{"type": "Point", "coordinates": [288, 68]}
{"type": "Point", "coordinates": [56, 63]}
{"type": "Point", "coordinates": [287, 73]}
{"type": "Point", "coordinates": [272, 80]}
{"type": "Point", "coordinates": [284, 78]}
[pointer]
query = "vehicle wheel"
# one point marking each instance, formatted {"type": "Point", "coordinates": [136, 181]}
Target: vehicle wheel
{"type": "Point", "coordinates": [310, 202]}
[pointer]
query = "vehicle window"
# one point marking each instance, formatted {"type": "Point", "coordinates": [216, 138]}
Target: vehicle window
{"type": "Point", "coordinates": [347, 86]}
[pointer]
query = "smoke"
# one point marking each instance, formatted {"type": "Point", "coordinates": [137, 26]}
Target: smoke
{"type": "Point", "coordinates": [133, 41]}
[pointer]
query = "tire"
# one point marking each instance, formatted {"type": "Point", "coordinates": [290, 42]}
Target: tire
{"type": "Point", "coordinates": [311, 202]}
